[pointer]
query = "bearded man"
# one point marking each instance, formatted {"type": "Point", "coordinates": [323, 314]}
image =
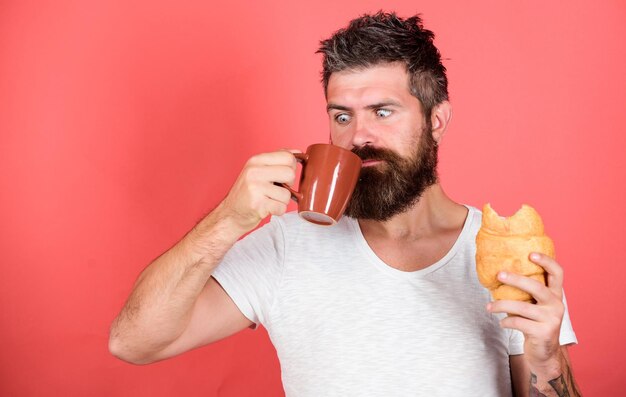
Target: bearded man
{"type": "Point", "coordinates": [386, 302]}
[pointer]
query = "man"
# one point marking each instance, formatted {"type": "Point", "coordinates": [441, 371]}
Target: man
{"type": "Point", "coordinates": [386, 302]}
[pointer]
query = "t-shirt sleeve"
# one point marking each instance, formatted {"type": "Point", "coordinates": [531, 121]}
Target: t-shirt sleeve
{"type": "Point", "coordinates": [250, 272]}
{"type": "Point", "coordinates": [566, 336]}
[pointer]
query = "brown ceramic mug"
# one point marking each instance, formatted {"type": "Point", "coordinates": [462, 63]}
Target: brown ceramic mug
{"type": "Point", "coordinates": [329, 176]}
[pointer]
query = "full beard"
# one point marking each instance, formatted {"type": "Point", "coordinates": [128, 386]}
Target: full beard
{"type": "Point", "coordinates": [394, 185]}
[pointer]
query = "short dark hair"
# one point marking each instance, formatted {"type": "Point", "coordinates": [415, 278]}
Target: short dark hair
{"type": "Point", "coordinates": [384, 38]}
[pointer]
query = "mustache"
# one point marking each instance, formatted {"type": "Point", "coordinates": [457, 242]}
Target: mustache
{"type": "Point", "coordinates": [372, 153]}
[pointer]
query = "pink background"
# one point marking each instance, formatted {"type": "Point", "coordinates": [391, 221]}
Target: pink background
{"type": "Point", "coordinates": [121, 125]}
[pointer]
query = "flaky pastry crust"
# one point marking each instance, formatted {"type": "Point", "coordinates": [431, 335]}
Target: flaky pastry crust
{"type": "Point", "coordinates": [504, 244]}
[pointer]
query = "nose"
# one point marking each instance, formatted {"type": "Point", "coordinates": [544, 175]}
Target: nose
{"type": "Point", "coordinates": [363, 134]}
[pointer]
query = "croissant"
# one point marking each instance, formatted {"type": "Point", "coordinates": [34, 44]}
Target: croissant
{"type": "Point", "coordinates": [504, 244]}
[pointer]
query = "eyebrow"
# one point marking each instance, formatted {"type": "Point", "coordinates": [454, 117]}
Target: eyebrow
{"type": "Point", "coordinates": [386, 103]}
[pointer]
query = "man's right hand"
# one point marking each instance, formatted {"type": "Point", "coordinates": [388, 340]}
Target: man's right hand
{"type": "Point", "coordinates": [175, 305]}
{"type": "Point", "coordinates": [254, 196]}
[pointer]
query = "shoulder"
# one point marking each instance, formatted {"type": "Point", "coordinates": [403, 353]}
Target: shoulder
{"type": "Point", "coordinates": [474, 220]}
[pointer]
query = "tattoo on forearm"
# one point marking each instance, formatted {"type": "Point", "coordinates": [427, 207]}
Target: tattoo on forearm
{"type": "Point", "coordinates": [533, 390]}
{"type": "Point", "coordinates": [559, 385]}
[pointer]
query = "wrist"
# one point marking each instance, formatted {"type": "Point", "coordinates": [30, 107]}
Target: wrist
{"type": "Point", "coordinates": [214, 235]}
{"type": "Point", "coordinates": [548, 369]}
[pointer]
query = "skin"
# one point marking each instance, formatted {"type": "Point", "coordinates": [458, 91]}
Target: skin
{"type": "Point", "coordinates": [546, 361]}
{"type": "Point", "coordinates": [176, 305]}
{"type": "Point", "coordinates": [374, 107]}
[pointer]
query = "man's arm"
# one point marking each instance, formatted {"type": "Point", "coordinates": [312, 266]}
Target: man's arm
{"type": "Point", "coordinates": [176, 305]}
{"type": "Point", "coordinates": [526, 383]}
{"type": "Point", "coordinates": [544, 364]}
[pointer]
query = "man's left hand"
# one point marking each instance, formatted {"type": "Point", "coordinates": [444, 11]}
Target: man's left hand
{"type": "Point", "coordinates": [541, 322]}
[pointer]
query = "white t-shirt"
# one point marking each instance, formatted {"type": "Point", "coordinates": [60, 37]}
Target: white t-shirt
{"type": "Point", "coordinates": [344, 323]}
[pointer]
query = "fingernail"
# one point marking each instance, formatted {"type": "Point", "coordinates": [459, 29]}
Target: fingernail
{"type": "Point", "coordinates": [488, 306]}
{"type": "Point", "coordinates": [534, 256]}
{"type": "Point", "coordinates": [502, 275]}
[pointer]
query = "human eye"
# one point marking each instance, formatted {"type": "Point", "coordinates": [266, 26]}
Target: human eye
{"type": "Point", "coordinates": [342, 118]}
{"type": "Point", "coordinates": [383, 113]}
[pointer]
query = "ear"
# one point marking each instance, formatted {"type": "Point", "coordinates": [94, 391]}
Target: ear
{"type": "Point", "coordinates": [439, 118]}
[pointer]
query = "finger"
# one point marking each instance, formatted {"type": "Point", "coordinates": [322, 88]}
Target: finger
{"type": "Point", "coordinates": [522, 309]}
{"type": "Point", "coordinates": [554, 272]}
{"type": "Point", "coordinates": [271, 173]}
{"type": "Point", "coordinates": [294, 151]}
{"type": "Point", "coordinates": [281, 157]}
{"type": "Point", "coordinates": [278, 193]}
{"type": "Point", "coordinates": [274, 207]}
{"type": "Point", "coordinates": [281, 174]}
{"type": "Point", "coordinates": [539, 291]}
{"type": "Point", "coordinates": [526, 326]}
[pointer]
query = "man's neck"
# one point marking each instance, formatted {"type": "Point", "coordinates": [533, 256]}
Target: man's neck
{"type": "Point", "coordinates": [433, 214]}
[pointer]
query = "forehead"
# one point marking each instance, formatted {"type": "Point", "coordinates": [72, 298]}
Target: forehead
{"type": "Point", "coordinates": [369, 84]}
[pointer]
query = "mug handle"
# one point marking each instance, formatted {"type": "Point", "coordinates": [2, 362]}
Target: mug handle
{"type": "Point", "coordinates": [295, 195]}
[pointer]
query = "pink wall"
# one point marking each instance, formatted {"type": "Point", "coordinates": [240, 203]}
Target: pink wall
{"type": "Point", "coordinates": [121, 125]}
